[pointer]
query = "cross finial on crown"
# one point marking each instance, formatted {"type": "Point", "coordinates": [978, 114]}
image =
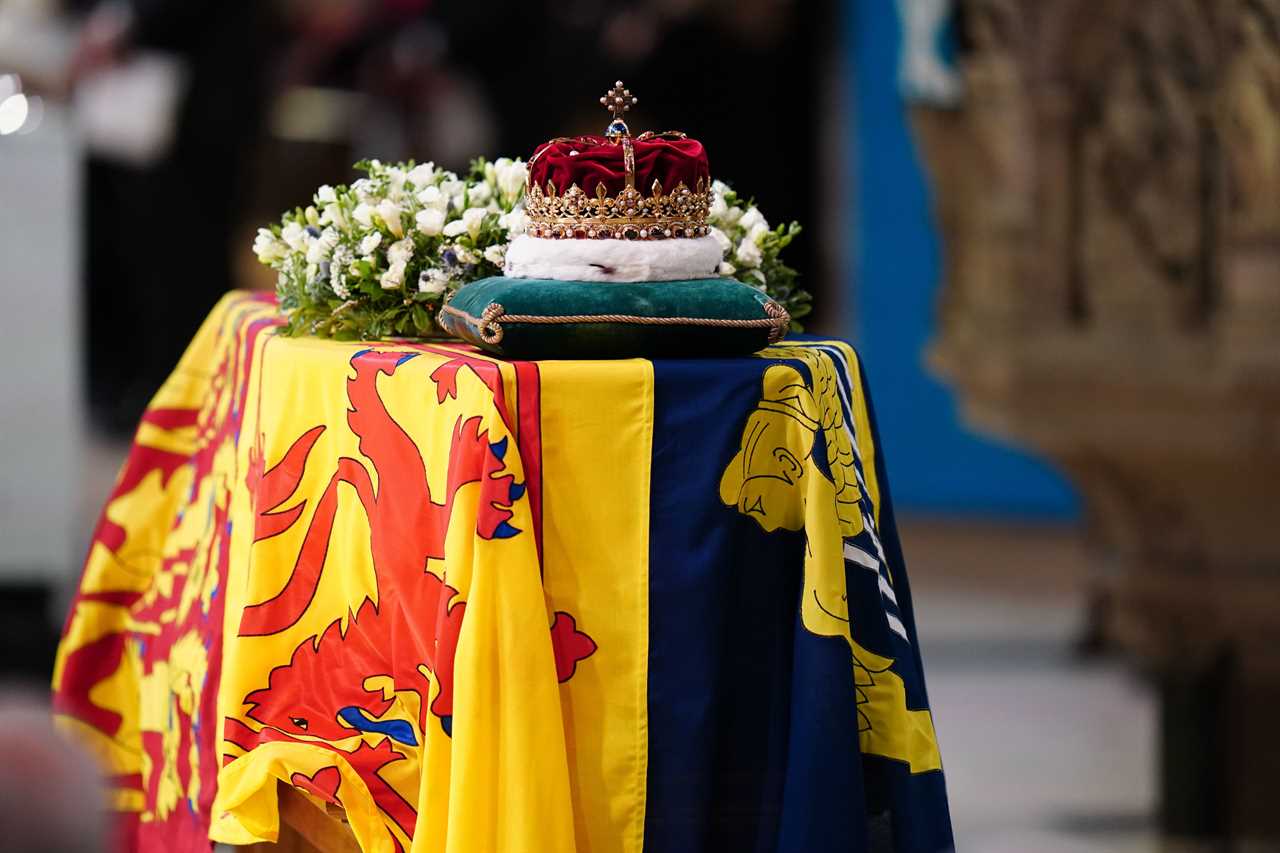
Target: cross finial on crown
{"type": "Point", "coordinates": [617, 101]}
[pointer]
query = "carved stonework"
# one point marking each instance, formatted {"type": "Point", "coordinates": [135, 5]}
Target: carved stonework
{"type": "Point", "coordinates": [1109, 192]}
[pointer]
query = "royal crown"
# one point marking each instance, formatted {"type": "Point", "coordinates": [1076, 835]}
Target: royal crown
{"type": "Point", "coordinates": [589, 187]}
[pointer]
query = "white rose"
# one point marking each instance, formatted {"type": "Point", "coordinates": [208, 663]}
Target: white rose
{"type": "Point", "coordinates": [479, 194]}
{"type": "Point", "coordinates": [294, 236]}
{"type": "Point", "coordinates": [393, 278]}
{"type": "Point", "coordinates": [718, 208]}
{"type": "Point", "coordinates": [515, 223]}
{"type": "Point", "coordinates": [751, 219]}
{"type": "Point", "coordinates": [363, 214]}
{"type": "Point", "coordinates": [722, 240]}
{"type": "Point", "coordinates": [432, 281]}
{"type": "Point", "coordinates": [473, 219]}
{"type": "Point", "coordinates": [369, 244]}
{"type": "Point", "coordinates": [400, 252]}
{"type": "Point", "coordinates": [422, 174]}
{"type": "Point", "coordinates": [726, 268]}
{"type": "Point", "coordinates": [749, 254]}
{"type": "Point", "coordinates": [326, 195]}
{"type": "Point", "coordinates": [390, 213]}
{"type": "Point", "coordinates": [496, 254]}
{"type": "Point", "coordinates": [430, 221]}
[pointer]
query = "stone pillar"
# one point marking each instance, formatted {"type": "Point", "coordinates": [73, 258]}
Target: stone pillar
{"type": "Point", "coordinates": [1109, 192]}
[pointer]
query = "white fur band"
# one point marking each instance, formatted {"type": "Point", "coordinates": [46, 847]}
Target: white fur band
{"type": "Point", "coordinates": [613, 260]}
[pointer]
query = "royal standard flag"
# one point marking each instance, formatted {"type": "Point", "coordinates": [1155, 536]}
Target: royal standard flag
{"type": "Point", "coordinates": [478, 605]}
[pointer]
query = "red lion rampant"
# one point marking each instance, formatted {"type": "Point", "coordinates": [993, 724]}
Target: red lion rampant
{"type": "Point", "coordinates": [413, 628]}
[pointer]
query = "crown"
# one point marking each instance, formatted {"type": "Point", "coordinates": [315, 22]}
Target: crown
{"type": "Point", "coordinates": [588, 187]}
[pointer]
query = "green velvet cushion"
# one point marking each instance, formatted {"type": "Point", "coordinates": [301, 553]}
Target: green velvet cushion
{"type": "Point", "coordinates": [542, 318]}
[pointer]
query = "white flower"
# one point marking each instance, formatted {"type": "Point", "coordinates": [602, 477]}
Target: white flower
{"type": "Point", "coordinates": [479, 194]}
{"type": "Point", "coordinates": [496, 254]}
{"type": "Point", "coordinates": [732, 215]}
{"type": "Point", "coordinates": [294, 236]}
{"type": "Point", "coordinates": [722, 240]}
{"type": "Point", "coordinates": [455, 228]}
{"type": "Point", "coordinates": [751, 219]}
{"type": "Point", "coordinates": [514, 223]}
{"type": "Point", "coordinates": [267, 247]}
{"type": "Point", "coordinates": [400, 252]}
{"type": "Point", "coordinates": [393, 278]}
{"type": "Point", "coordinates": [319, 248]}
{"type": "Point", "coordinates": [510, 176]}
{"type": "Point", "coordinates": [364, 190]}
{"type": "Point", "coordinates": [749, 254]}
{"type": "Point", "coordinates": [326, 195]}
{"type": "Point", "coordinates": [363, 214]}
{"type": "Point", "coordinates": [473, 218]}
{"type": "Point", "coordinates": [461, 254]}
{"type": "Point", "coordinates": [757, 232]}
{"type": "Point", "coordinates": [719, 188]}
{"type": "Point", "coordinates": [422, 174]}
{"type": "Point", "coordinates": [390, 213]}
{"type": "Point", "coordinates": [432, 197]}
{"type": "Point", "coordinates": [430, 221]}
{"type": "Point", "coordinates": [726, 268]}
{"type": "Point", "coordinates": [718, 208]}
{"type": "Point", "coordinates": [370, 243]}
{"type": "Point", "coordinates": [338, 272]}
{"type": "Point", "coordinates": [432, 281]}
{"type": "Point", "coordinates": [332, 215]}
{"type": "Point", "coordinates": [396, 178]}
{"type": "Point", "coordinates": [453, 189]}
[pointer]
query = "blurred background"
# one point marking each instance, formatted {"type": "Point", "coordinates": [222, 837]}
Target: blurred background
{"type": "Point", "coordinates": [1050, 226]}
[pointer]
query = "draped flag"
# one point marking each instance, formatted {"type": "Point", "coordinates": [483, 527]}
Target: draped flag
{"type": "Point", "coordinates": [606, 606]}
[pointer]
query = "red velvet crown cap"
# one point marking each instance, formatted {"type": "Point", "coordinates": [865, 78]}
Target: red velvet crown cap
{"type": "Point", "coordinates": [591, 160]}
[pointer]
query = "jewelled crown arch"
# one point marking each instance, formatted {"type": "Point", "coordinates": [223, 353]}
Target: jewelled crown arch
{"type": "Point", "coordinates": [574, 213]}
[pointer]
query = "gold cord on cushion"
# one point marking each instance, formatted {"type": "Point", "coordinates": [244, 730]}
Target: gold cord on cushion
{"type": "Point", "coordinates": [489, 323]}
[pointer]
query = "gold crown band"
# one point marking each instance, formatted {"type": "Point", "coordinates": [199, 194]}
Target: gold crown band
{"type": "Point", "coordinates": [630, 215]}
